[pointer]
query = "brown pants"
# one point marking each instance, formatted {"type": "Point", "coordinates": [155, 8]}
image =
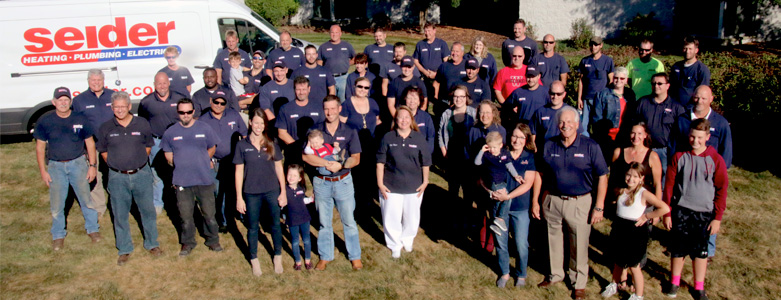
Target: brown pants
{"type": "Point", "coordinates": [573, 212]}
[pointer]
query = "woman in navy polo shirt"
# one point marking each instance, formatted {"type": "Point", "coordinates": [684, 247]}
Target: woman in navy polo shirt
{"type": "Point", "coordinates": [403, 162]}
{"type": "Point", "coordinates": [413, 96]}
{"type": "Point", "coordinates": [363, 114]}
{"type": "Point", "coordinates": [522, 156]}
{"type": "Point", "coordinates": [479, 51]}
{"type": "Point", "coordinates": [258, 163]}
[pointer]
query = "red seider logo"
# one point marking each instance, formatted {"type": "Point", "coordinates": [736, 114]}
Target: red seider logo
{"type": "Point", "coordinates": [72, 38]}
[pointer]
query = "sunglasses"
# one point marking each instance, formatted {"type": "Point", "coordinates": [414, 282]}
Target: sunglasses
{"type": "Point", "coordinates": [258, 58]}
{"type": "Point", "coordinates": [621, 78]}
{"type": "Point", "coordinates": [363, 87]}
{"type": "Point", "coordinates": [170, 57]}
{"type": "Point", "coordinates": [556, 94]}
{"type": "Point", "coordinates": [658, 83]}
{"type": "Point", "coordinates": [220, 102]}
{"type": "Point", "coordinates": [548, 42]}
{"type": "Point", "coordinates": [189, 112]}
{"type": "Point", "coordinates": [645, 50]}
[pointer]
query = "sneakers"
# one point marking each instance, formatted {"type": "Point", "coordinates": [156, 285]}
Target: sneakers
{"type": "Point", "coordinates": [215, 248]}
{"type": "Point", "coordinates": [278, 264]}
{"type": "Point", "coordinates": [496, 229]}
{"type": "Point", "coordinates": [308, 266]}
{"type": "Point", "coordinates": [297, 266]}
{"type": "Point", "coordinates": [95, 236]}
{"type": "Point", "coordinates": [635, 297]}
{"type": "Point", "coordinates": [699, 295]}
{"type": "Point", "coordinates": [501, 224]}
{"type": "Point", "coordinates": [58, 244]}
{"type": "Point", "coordinates": [610, 290]}
{"type": "Point", "coordinates": [396, 254]}
{"type": "Point", "coordinates": [185, 250]}
{"type": "Point", "coordinates": [520, 282]}
{"type": "Point", "coordinates": [673, 291]}
{"type": "Point", "coordinates": [501, 282]}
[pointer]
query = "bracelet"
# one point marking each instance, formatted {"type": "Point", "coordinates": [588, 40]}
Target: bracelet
{"type": "Point", "coordinates": [93, 165]}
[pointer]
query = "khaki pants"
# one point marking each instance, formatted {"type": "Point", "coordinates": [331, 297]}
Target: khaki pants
{"type": "Point", "coordinates": [97, 193]}
{"type": "Point", "coordinates": [573, 212]}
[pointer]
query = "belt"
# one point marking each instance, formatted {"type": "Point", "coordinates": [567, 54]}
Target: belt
{"type": "Point", "coordinates": [340, 74]}
{"type": "Point", "coordinates": [67, 160]}
{"type": "Point", "coordinates": [129, 172]}
{"type": "Point", "coordinates": [565, 197]}
{"type": "Point", "coordinates": [333, 179]}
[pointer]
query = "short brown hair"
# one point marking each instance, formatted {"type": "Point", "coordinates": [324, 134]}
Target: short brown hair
{"type": "Point", "coordinates": [361, 58]}
{"type": "Point", "coordinates": [234, 55]}
{"type": "Point", "coordinates": [701, 125]}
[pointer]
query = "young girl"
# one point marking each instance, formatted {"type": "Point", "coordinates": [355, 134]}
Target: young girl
{"type": "Point", "coordinates": [629, 233]}
{"type": "Point", "coordinates": [297, 214]}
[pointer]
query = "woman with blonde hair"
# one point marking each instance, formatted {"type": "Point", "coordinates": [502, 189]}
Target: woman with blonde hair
{"type": "Point", "coordinates": [479, 51]}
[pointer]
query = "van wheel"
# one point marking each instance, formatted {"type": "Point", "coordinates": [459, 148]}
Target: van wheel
{"type": "Point", "coordinates": [35, 117]}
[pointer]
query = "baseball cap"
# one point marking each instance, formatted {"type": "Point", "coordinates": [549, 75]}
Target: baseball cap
{"type": "Point", "coordinates": [259, 53]}
{"type": "Point", "coordinates": [596, 40]}
{"type": "Point", "coordinates": [280, 64]}
{"type": "Point", "coordinates": [219, 94]}
{"type": "Point", "coordinates": [472, 64]}
{"type": "Point", "coordinates": [532, 72]}
{"type": "Point", "coordinates": [407, 61]}
{"type": "Point", "coordinates": [62, 91]}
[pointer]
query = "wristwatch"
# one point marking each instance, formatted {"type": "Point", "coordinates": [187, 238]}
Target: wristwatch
{"type": "Point", "coordinates": [93, 165]}
{"type": "Point", "coordinates": [599, 209]}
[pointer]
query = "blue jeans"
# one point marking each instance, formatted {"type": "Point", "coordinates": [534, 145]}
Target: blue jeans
{"type": "Point", "coordinates": [157, 185]}
{"type": "Point", "coordinates": [256, 202]}
{"type": "Point", "coordinates": [519, 222]}
{"type": "Point", "coordinates": [584, 118]}
{"type": "Point", "coordinates": [341, 84]}
{"type": "Point", "coordinates": [662, 152]}
{"type": "Point", "coordinates": [223, 169]}
{"type": "Point", "coordinates": [342, 195]}
{"type": "Point", "coordinates": [64, 174]}
{"type": "Point", "coordinates": [302, 229]}
{"type": "Point", "coordinates": [124, 188]}
{"type": "Point", "coordinates": [712, 245]}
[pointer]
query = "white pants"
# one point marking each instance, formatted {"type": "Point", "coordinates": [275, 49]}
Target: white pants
{"type": "Point", "coordinates": [400, 219]}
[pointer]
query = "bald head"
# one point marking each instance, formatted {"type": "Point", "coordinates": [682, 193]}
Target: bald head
{"type": "Point", "coordinates": [517, 57]}
{"type": "Point", "coordinates": [162, 84]}
{"type": "Point", "coordinates": [336, 33]}
{"type": "Point", "coordinates": [702, 98]}
{"type": "Point", "coordinates": [557, 94]}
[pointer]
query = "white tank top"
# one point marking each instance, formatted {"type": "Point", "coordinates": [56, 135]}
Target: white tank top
{"type": "Point", "coordinates": [634, 211]}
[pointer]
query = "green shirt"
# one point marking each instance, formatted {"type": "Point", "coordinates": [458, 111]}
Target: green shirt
{"type": "Point", "coordinates": [640, 75]}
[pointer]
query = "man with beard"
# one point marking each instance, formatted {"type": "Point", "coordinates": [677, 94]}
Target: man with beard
{"type": "Point", "coordinates": [202, 97]}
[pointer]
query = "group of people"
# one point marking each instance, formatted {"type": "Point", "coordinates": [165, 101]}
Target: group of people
{"type": "Point", "coordinates": [246, 143]}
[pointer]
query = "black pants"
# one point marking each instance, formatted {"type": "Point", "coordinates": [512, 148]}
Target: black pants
{"type": "Point", "coordinates": [186, 198]}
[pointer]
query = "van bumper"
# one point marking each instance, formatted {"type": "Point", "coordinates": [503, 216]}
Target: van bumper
{"type": "Point", "coordinates": [11, 121]}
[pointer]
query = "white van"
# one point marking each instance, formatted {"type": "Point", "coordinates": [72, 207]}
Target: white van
{"type": "Point", "coordinates": [46, 44]}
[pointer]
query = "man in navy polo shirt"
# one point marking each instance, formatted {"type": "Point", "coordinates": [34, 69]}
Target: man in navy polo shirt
{"type": "Point", "coordinates": [380, 53]}
{"type": "Point", "coordinates": [189, 146]}
{"type": "Point", "coordinates": [221, 61]}
{"type": "Point", "coordinates": [61, 138]}
{"type": "Point", "coordinates": [596, 72]}
{"type": "Point", "coordinates": [479, 90]}
{"type": "Point", "coordinates": [519, 39]}
{"type": "Point", "coordinates": [159, 108]}
{"type": "Point", "coordinates": [295, 119]}
{"type": "Point", "coordinates": [321, 79]}
{"type": "Point", "coordinates": [230, 128]}
{"type": "Point", "coordinates": [392, 69]}
{"type": "Point", "coordinates": [525, 100]}
{"type": "Point", "coordinates": [257, 76]}
{"type": "Point", "coordinates": [448, 75]}
{"type": "Point", "coordinates": [571, 167]}
{"type": "Point", "coordinates": [275, 94]}
{"type": "Point", "coordinates": [336, 56]}
{"type": "Point", "coordinates": [202, 98]}
{"type": "Point", "coordinates": [398, 85]}
{"type": "Point", "coordinates": [95, 104]}
{"type": "Point", "coordinates": [125, 142]}
{"type": "Point", "coordinates": [429, 54]}
{"type": "Point", "coordinates": [688, 74]}
{"type": "Point", "coordinates": [292, 56]}
{"type": "Point", "coordinates": [543, 124]}
{"type": "Point", "coordinates": [336, 189]}
{"type": "Point", "coordinates": [551, 65]}
{"type": "Point", "coordinates": [659, 113]}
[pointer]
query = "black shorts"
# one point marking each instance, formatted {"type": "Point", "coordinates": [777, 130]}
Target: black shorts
{"type": "Point", "coordinates": [630, 243]}
{"type": "Point", "coordinates": [689, 235]}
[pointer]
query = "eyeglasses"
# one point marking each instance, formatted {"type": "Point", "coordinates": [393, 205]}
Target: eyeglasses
{"type": "Point", "coordinates": [170, 57]}
{"type": "Point", "coordinates": [658, 83]}
{"type": "Point", "coordinates": [119, 106]}
{"type": "Point", "coordinates": [220, 102]}
{"type": "Point", "coordinates": [548, 42]}
{"type": "Point", "coordinates": [556, 94]}
{"type": "Point", "coordinates": [621, 78]}
{"type": "Point", "coordinates": [645, 50]}
{"type": "Point", "coordinates": [189, 112]}
{"type": "Point", "coordinates": [459, 97]}
{"type": "Point", "coordinates": [365, 87]}
{"type": "Point", "coordinates": [258, 58]}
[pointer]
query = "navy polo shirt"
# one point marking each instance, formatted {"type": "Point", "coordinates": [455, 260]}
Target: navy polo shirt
{"type": "Point", "coordinates": [550, 68]}
{"type": "Point", "coordinates": [431, 55]}
{"type": "Point", "coordinates": [349, 89]}
{"type": "Point", "coordinates": [202, 99]}
{"type": "Point", "coordinates": [64, 136]}
{"type": "Point", "coordinates": [479, 90]}
{"type": "Point", "coordinates": [397, 86]}
{"type": "Point", "coordinates": [529, 46]}
{"type": "Point", "coordinates": [125, 146]}
{"type": "Point", "coordinates": [595, 74]}
{"type": "Point", "coordinates": [543, 124]}
{"type": "Point", "coordinates": [293, 58]}
{"type": "Point", "coordinates": [392, 70]}
{"type": "Point", "coordinates": [275, 95]}
{"type": "Point", "coordinates": [347, 139]}
{"type": "Point", "coordinates": [320, 79]}
{"type": "Point", "coordinates": [297, 213]}
{"type": "Point", "coordinates": [659, 117]}
{"type": "Point", "coordinates": [448, 75]}
{"type": "Point", "coordinates": [221, 62]}
{"type": "Point", "coordinates": [225, 127]}
{"type": "Point", "coordinates": [336, 57]}
{"type": "Point", "coordinates": [684, 80]}
{"type": "Point", "coordinates": [160, 114]}
{"type": "Point", "coordinates": [298, 119]}
{"type": "Point", "coordinates": [179, 79]}
{"type": "Point", "coordinates": [260, 175]}
{"type": "Point", "coordinates": [96, 109]}
{"type": "Point", "coordinates": [426, 127]}
{"type": "Point", "coordinates": [573, 170]}
{"type": "Point", "coordinates": [524, 162]}
{"type": "Point", "coordinates": [256, 81]}
{"type": "Point", "coordinates": [404, 159]}
{"type": "Point", "coordinates": [720, 135]}
{"type": "Point", "coordinates": [379, 55]}
{"type": "Point", "coordinates": [357, 120]}
{"type": "Point", "coordinates": [488, 67]}
{"type": "Point", "coordinates": [192, 164]}
{"type": "Point", "coordinates": [476, 138]}
{"type": "Point", "coordinates": [494, 169]}
{"type": "Point", "coordinates": [527, 102]}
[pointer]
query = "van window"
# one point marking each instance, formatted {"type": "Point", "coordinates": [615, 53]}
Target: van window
{"type": "Point", "coordinates": [251, 38]}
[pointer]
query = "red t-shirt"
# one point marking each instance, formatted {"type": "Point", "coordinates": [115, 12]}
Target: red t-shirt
{"type": "Point", "coordinates": [509, 79]}
{"type": "Point", "coordinates": [614, 131]}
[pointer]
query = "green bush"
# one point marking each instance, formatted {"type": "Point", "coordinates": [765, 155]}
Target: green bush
{"type": "Point", "coordinates": [274, 11]}
{"type": "Point", "coordinates": [642, 27]}
{"type": "Point", "coordinates": [582, 33]}
{"type": "Point", "coordinates": [531, 31]}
